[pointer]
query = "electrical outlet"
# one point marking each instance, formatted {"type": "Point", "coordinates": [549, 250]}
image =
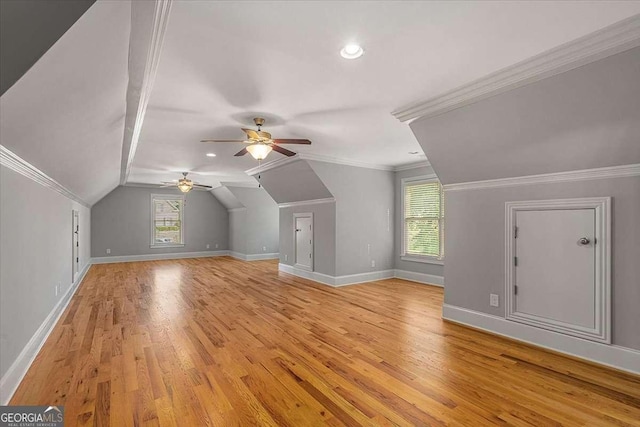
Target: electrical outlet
{"type": "Point", "coordinates": [286, 257]}
{"type": "Point", "coordinates": [55, 289]}
{"type": "Point", "coordinates": [264, 249]}
{"type": "Point", "coordinates": [108, 251]}
{"type": "Point", "coordinates": [216, 246]}
{"type": "Point", "coordinates": [494, 300]}
{"type": "Point", "coordinates": [373, 263]}
{"type": "Point", "coordinates": [208, 246]}
{"type": "Point", "coordinates": [368, 249]}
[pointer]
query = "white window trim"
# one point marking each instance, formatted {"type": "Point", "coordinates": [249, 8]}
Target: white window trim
{"type": "Point", "coordinates": [403, 253]}
{"type": "Point", "coordinates": [153, 244]}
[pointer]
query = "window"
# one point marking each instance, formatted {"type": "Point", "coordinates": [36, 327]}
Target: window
{"type": "Point", "coordinates": [423, 226]}
{"type": "Point", "coordinates": [167, 220]}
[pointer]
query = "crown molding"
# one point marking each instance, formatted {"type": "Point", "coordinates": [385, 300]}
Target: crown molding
{"type": "Point", "coordinates": [579, 175]}
{"type": "Point", "coordinates": [24, 168]}
{"type": "Point", "coordinates": [608, 41]}
{"type": "Point", "coordinates": [337, 161]}
{"type": "Point", "coordinates": [409, 166]}
{"type": "Point", "coordinates": [273, 164]}
{"type": "Point", "coordinates": [319, 158]}
{"type": "Point", "coordinates": [307, 202]}
{"type": "Point", "coordinates": [133, 130]}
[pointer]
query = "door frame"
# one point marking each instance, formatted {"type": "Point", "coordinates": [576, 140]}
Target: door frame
{"type": "Point", "coordinates": [601, 331]}
{"type": "Point", "coordinates": [75, 244]}
{"type": "Point", "coordinates": [295, 241]}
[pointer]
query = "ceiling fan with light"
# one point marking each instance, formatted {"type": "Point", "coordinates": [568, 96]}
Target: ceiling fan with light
{"type": "Point", "coordinates": [261, 143]}
{"type": "Point", "coordinates": [185, 185]}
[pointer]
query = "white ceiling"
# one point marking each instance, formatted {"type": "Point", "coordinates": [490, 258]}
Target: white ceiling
{"type": "Point", "coordinates": [224, 62]}
{"type": "Point", "coordinates": [65, 116]}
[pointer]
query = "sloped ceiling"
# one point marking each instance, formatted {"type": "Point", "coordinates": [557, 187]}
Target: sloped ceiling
{"type": "Point", "coordinates": [227, 198]}
{"type": "Point", "coordinates": [28, 28]}
{"type": "Point", "coordinates": [65, 115]}
{"type": "Point", "coordinates": [253, 197]}
{"type": "Point", "coordinates": [585, 118]}
{"type": "Point", "coordinates": [224, 63]}
{"type": "Point", "coordinates": [294, 182]}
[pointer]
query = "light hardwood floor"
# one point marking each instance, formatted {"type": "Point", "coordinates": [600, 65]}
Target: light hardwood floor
{"type": "Point", "coordinates": [216, 341]}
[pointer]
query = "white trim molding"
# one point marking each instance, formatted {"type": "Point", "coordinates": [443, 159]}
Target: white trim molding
{"type": "Point", "coordinates": [328, 159]}
{"type": "Point", "coordinates": [307, 202]}
{"type": "Point", "coordinates": [409, 166]}
{"type": "Point", "coordinates": [17, 164]}
{"type": "Point", "coordinates": [600, 44]}
{"type": "Point", "coordinates": [140, 92]}
{"type": "Point", "coordinates": [549, 178]}
{"type": "Point", "coordinates": [16, 372]}
{"type": "Point", "coordinates": [412, 276]}
{"type": "Point", "coordinates": [353, 279]}
{"type": "Point", "coordinates": [601, 331]}
{"type": "Point", "coordinates": [157, 257]}
{"type": "Point", "coordinates": [254, 257]}
{"type": "Point", "coordinates": [625, 359]}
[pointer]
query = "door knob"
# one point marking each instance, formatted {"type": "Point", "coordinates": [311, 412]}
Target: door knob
{"type": "Point", "coordinates": [584, 241]}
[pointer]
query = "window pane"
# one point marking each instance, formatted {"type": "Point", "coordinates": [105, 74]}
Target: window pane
{"type": "Point", "coordinates": [423, 237]}
{"type": "Point", "coordinates": [167, 221]}
{"type": "Point", "coordinates": [422, 200]}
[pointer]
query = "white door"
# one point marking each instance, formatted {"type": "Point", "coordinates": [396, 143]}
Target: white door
{"type": "Point", "coordinates": [304, 241]}
{"type": "Point", "coordinates": [75, 228]}
{"type": "Point", "coordinates": [555, 267]}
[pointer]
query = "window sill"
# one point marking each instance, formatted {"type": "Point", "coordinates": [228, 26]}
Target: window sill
{"type": "Point", "coordinates": [172, 245]}
{"type": "Point", "coordinates": [422, 259]}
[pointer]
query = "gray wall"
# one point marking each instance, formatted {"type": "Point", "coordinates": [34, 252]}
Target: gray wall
{"type": "Point", "coordinates": [294, 182]}
{"type": "Point", "coordinates": [474, 243]}
{"type": "Point", "coordinates": [324, 233]}
{"type": "Point", "coordinates": [121, 221]}
{"type": "Point", "coordinates": [364, 216]}
{"type": "Point", "coordinates": [581, 119]}
{"type": "Point", "coordinates": [417, 267]}
{"type": "Point", "coordinates": [258, 222]}
{"type": "Point", "coordinates": [238, 230]}
{"type": "Point", "coordinates": [35, 255]}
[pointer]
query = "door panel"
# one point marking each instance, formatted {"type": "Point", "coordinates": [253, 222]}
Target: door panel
{"type": "Point", "coordinates": [555, 274]}
{"type": "Point", "coordinates": [304, 242]}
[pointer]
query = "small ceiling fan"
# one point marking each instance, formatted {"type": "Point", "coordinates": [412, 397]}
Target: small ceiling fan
{"type": "Point", "coordinates": [261, 143]}
{"type": "Point", "coordinates": [185, 185]}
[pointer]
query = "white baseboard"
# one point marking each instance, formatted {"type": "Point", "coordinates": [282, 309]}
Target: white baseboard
{"type": "Point", "coordinates": [254, 257]}
{"type": "Point", "coordinates": [618, 357]}
{"type": "Point", "coordinates": [352, 279]}
{"type": "Point", "coordinates": [428, 279]}
{"type": "Point", "coordinates": [157, 257]}
{"type": "Point", "coordinates": [16, 372]}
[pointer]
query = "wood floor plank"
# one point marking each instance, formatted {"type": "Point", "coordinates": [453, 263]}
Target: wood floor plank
{"type": "Point", "coordinates": [222, 342]}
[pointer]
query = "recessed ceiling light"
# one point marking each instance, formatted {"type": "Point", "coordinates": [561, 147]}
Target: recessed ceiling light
{"type": "Point", "coordinates": [351, 51]}
{"type": "Point", "coordinates": [211, 154]}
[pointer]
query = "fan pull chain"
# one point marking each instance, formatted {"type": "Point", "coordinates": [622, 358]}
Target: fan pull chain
{"type": "Point", "coordinates": [259, 163]}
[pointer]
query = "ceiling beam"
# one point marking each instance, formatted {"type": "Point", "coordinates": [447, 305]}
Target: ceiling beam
{"type": "Point", "coordinates": [148, 27]}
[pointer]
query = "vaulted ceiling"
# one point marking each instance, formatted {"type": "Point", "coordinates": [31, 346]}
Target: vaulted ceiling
{"type": "Point", "coordinates": [223, 63]}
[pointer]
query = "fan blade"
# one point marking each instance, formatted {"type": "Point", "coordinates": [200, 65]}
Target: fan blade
{"type": "Point", "coordinates": [292, 141]}
{"type": "Point", "coordinates": [252, 134]}
{"type": "Point", "coordinates": [241, 152]}
{"type": "Point", "coordinates": [222, 140]}
{"type": "Point", "coordinates": [201, 186]}
{"type": "Point", "coordinates": [283, 150]}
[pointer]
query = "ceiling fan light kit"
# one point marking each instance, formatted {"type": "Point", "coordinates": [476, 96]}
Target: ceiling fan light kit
{"type": "Point", "coordinates": [259, 151]}
{"type": "Point", "coordinates": [261, 143]}
{"type": "Point", "coordinates": [185, 185]}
